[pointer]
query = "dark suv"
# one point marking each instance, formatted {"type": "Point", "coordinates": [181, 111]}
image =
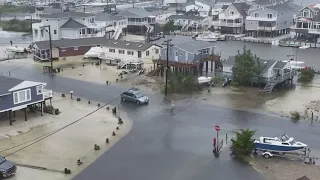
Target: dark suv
{"type": "Point", "coordinates": [7, 168]}
{"type": "Point", "coordinates": [134, 95]}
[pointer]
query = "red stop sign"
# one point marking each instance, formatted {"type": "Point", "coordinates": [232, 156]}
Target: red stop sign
{"type": "Point", "coordinates": [217, 128]}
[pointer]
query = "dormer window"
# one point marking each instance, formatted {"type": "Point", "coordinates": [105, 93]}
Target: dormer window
{"type": "Point", "coordinates": [231, 13]}
{"type": "Point", "coordinates": [256, 15]}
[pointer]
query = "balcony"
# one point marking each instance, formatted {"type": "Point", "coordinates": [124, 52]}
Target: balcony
{"type": "Point", "coordinates": [121, 57]}
{"type": "Point", "coordinates": [223, 16]}
{"type": "Point", "coordinates": [110, 28]}
{"type": "Point", "coordinates": [265, 28]}
{"type": "Point", "coordinates": [47, 93]}
{"type": "Point", "coordinates": [314, 31]}
{"type": "Point", "coordinates": [250, 18]}
{"type": "Point", "coordinates": [226, 24]}
{"type": "Point", "coordinates": [90, 35]}
{"type": "Point", "coordinates": [137, 23]}
{"type": "Point", "coordinates": [96, 25]}
{"type": "Point", "coordinates": [36, 25]}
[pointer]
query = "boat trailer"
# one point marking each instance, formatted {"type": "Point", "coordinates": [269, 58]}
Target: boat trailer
{"type": "Point", "coordinates": [303, 154]}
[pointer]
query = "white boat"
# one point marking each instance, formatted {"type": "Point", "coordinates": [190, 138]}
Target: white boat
{"type": "Point", "coordinates": [15, 49]}
{"type": "Point", "coordinates": [94, 52]}
{"type": "Point", "coordinates": [278, 144]}
{"type": "Point", "coordinates": [206, 37]}
{"type": "Point", "coordinates": [293, 62]}
{"type": "Point", "coordinates": [204, 80]}
{"type": "Point", "coordinates": [304, 47]}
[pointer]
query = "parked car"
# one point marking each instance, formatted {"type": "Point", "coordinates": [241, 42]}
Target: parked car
{"type": "Point", "coordinates": [134, 95]}
{"type": "Point", "coordinates": [7, 168]}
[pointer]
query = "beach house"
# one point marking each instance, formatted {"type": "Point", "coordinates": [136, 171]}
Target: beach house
{"type": "Point", "coordinates": [16, 94]}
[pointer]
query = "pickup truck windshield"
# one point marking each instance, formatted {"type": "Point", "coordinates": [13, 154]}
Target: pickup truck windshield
{"type": "Point", "coordinates": [2, 160]}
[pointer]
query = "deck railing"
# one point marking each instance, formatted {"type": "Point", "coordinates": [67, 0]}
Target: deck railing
{"type": "Point", "coordinates": [47, 93]}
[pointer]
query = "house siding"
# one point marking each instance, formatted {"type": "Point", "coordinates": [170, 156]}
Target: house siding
{"type": "Point", "coordinates": [178, 55]}
{"type": "Point", "coordinates": [71, 52]}
{"type": "Point", "coordinates": [6, 102]}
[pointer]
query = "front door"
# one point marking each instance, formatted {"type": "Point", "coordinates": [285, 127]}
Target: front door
{"type": "Point", "coordinates": [139, 54]}
{"type": "Point", "coordinates": [176, 57]}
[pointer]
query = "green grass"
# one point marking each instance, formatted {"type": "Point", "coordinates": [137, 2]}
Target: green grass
{"type": "Point", "coordinates": [16, 9]}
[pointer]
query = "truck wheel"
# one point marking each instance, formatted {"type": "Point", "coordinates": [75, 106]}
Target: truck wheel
{"type": "Point", "coordinates": [123, 99]}
{"type": "Point", "coordinates": [266, 155]}
{"type": "Point", "coordinates": [138, 102]}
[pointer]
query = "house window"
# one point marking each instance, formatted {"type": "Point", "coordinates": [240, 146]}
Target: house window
{"type": "Point", "coordinates": [39, 89]}
{"type": "Point", "coordinates": [130, 53]}
{"type": "Point", "coordinates": [157, 51]}
{"type": "Point", "coordinates": [75, 48]}
{"type": "Point", "coordinates": [63, 49]}
{"type": "Point", "coordinates": [256, 14]}
{"type": "Point", "coordinates": [112, 50]}
{"type": "Point", "coordinates": [21, 96]}
{"type": "Point", "coordinates": [55, 31]}
{"type": "Point", "coordinates": [147, 53]}
{"type": "Point", "coordinates": [231, 13]}
{"type": "Point", "coordinates": [269, 16]}
{"type": "Point", "coordinates": [121, 51]}
{"type": "Point", "coordinates": [176, 53]}
{"type": "Point", "coordinates": [306, 14]}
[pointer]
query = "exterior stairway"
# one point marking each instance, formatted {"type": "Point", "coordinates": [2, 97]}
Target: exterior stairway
{"type": "Point", "coordinates": [117, 34]}
{"type": "Point", "coordinates": [268, 87]}
{"type": "Point", "coordinates": [184, 27]}
{"type": "Point", "coordinates": [149, 28]}
{"type": "Point", "coordinates": [156, 71]}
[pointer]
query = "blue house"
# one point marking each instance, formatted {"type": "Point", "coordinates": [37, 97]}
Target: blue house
{"type": "Point", "coordinates": [16, 94]}
{"type": "Point", "coordinates": [195, 56]}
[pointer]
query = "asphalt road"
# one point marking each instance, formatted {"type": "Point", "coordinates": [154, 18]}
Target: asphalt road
{"type": "Point", "coordinates": [171, 146]}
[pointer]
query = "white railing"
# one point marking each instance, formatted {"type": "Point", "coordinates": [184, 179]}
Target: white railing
{"type": "Point", "coordinates": [265, 28]}
{"type": "Point", "coordinates": [36, 25]}
{"type": "Point", "coordinates": [137, 23]}
{"type": "Point", "coordinates": [47, 93]}
{"type": "Point", "coordinates": [223, 16]}
{"type": "Point", "coordinates": [314, 31]}
{"type": "Point", "coordinates": [230, 24]}
{"type": "Point", "coordinates": [250, 18]}
{"type": "Point", "coordinates": [90, 35]}
{"type": "Point", "coordinates": [96, 25]}
{"type": "Point", "coordinates": [122, 58]}
{"type": "Point", "coordinates": [110, 28]}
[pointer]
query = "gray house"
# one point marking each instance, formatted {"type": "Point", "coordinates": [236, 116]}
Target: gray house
{"type": "Point", "coordinates": [190, 52]}
{"type": "Point", "coordinates": [16, 94]}
{"type": "Point", "coordinates": [270, 21]}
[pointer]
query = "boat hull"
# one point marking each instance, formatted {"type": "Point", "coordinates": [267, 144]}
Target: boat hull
{"type": "Point", "coordinates": [207, 39]}
{"type": "Point", "coordinates": [277, 148]}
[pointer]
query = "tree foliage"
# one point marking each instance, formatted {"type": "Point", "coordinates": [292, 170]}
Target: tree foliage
{"type": "Point", "coordinates": [16, 9]}
{"type": "Point", "coordinates": [242, 144]}
{"type": "Point", "coordinates": [306, 75]}
{"type": "Point", "coordinates": [169, 26]}
{"type": "Point", "coordinates": [16, 25]}
{"type": "Point", "coordinates": [180, 83]}
{"type": "Point", "coordinates": [246, 67]}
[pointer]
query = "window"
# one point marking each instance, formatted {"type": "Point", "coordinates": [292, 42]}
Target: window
{"type": "Point", "coordinates": [75, 48]}
{"type": "Point", "coordinates": [121, 51]}
{"type": "Point", "coordinates": [129, 52]}
{"type": "Point", "coordinates": [176, 53]}
{"type": "Point", "coordinates": [22, 96]}
{"type": "Point", "coordinates": [269, 16]}
{"type": "Point", "coordinates": [157, 51]}
{"type": "Point", "coordinates": [231, 13]}
{"type": "Point", "coordinates": [63, 49]}
{"type": "Point", "coordinates": [256, 14]}
{"type": "Point", "coordinates": [39, 89]}
{"type": "Point", "coordinates": [112, 50]}
{"type": "Point", "coordinates": [147, 53]}
{"type": "Point", "coordinates": [55, 31]}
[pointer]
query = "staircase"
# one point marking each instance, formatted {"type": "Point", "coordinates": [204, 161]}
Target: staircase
{"type": "Point", "coordinates": [184, 27]}
{"type": "Point", "coordinates": [156, 71]}
{"type": "Point", "coordinates": [149, 28]}
{"type": "Point", "coordinates": [117, 33]}
{"type": "Point", "coordinates": [122, 64]}
{"type": "Point", "coordinates": [268, 88]}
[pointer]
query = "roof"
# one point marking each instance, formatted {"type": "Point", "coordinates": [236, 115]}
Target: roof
{"type": "Point", "coordinates": [279, 65]}
{"type": "Point", "coordinates": [281, 7]}
{"type": "Point", "coordinates": [7, 83]}
{"type": "Point", "coordinates": [224, 7]}
{"type": "Point", "coordinates": [225, 1]}
{"type": "Point", "coordinates": [68, 15]}
{"type": "Point", "coordinates": [50, 10]}
{"type": "Point", "coordinates": [192, 46]}
{"type": "Point", "coordinates": [242, 8]}
{"type": "Point", "coordinates": [262, 2]}
{"type": "Point", "coordinates": [64, 43]}
{"type": "Point", "coordinates": [26, 84]}
{"type": "Point", "coordinates": [266, 63]}
{"type": "Point", "coordinates": [303, 178]}
{"type": "Point", "coordinates": [207, 2]}
{"type": "Point", "coordinates": [72, 24]}
{"type": "Point", "coordinates": [134, 12]}
{"type": "Point", "coordinates": [108, 17]}
{"type": "Point", "coordinates": [194, 18]}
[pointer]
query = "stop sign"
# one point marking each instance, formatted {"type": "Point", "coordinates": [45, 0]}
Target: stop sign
{"type": "Point", "coordinates": [217, 128]}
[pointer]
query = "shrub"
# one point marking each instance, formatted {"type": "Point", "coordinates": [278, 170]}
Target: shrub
{"type": "Point", "coordinates": [306, 75]}
{"type": "Point", "coordinates": [295, 115]}
{"type": "Point", "coordinates": [234, 83]}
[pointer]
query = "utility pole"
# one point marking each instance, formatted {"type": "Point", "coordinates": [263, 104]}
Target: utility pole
{"type": "Point", "coordinates": [168, 44]}
{"type": "Point", "coordinates": [50, 44]}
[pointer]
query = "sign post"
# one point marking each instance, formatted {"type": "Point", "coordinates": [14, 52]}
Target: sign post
{"type": "Point", "coordinates": [217, 128]}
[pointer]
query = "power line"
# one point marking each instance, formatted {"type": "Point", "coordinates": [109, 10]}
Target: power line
{"type": "Point", "coordinates": [40, 138]}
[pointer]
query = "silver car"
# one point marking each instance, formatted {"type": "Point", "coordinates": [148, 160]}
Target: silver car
{"type": "Point", "coordinates": [134, 95]}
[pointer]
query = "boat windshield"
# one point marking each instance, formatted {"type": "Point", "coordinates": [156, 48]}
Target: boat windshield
{"type": "Point", "coordinates": [292, 142]}
{"type": "Point", "coordinates": [284, 137]}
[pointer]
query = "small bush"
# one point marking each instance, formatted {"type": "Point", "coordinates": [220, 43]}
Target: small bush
{"type": "Point", "coordinates": [295, 115]}
{"type": "Point", "coordinates": [217, 80]}
{"type": "Point", "coordinates": [306, 75]}
{"type": "Point", "coordinates": [234, 83]}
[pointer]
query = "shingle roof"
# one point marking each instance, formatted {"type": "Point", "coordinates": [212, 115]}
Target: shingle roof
{"type": "Point", "coordinates": [279, 65]}
{"type": "Point", "coordinates": [7, 83]}
{"type": "Point", "coordinates": [207, 2]}
{"type": "Point", "coordinates": [64, 43]}
{"type": "Point", "coordinates": [72, 24]}
{"type": "Point", "coordinates": [134, 12]}
{"type": "Point", "coordinates": [266, 64]}
{"type": "Point", "coordinates": [262, 2]}
{"type": "Point", "coordinates": [50, 10]}
{"type": "Point", "coordinates": [108, 17]}
{"type": "Point", "coordinates": [192, 46]}
{"type": "Point", "coordinates": [281, 7]}
{"type": "Point", "coordinates": [68, 15]}
{"type": "Point", "coordinates": [242, 8]}
{"type": "Point", "coordinates": [225, 1]}
{"type": "Point", "coordinates": [194, 18]}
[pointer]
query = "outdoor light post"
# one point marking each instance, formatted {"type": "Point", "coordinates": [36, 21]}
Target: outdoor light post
{"type": "Point", "coordinates": [167, 43]}
{"type": "Point", "coordinates": [71, 92]}
{"type": "Point", "coordinates": [50, 43]}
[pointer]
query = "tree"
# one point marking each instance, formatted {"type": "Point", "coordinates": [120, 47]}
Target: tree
{"type": "Point", "coordinates": [306, 75]}
{"type": "Point", "coordinates": [242, 144]}
{"type": "Point", "coordinates": [246, 67]}
{"type": "Point", "coordinates": [169, 26]}
{"type": "Point", "coordinates": [181, 83]}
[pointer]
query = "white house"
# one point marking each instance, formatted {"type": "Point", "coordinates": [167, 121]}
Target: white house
{"type": "Point", "coordinates": [203, 7]}
{"type": "Point", "coordinates": [188, 22]}
{"type": "Point", "coordinates": [67, 25]}
{"type": "Point", "coordinates": [114, 24]}
{"type": "Point", "coordinates": [232, 20]}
